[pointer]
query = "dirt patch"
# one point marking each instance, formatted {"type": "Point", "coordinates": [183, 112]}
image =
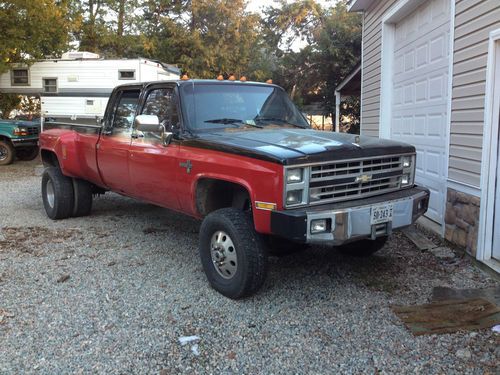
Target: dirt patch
{"type": "Point", "coordinates": [27, 240]}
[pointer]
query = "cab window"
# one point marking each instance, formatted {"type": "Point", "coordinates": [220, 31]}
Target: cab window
{"type": "Point", "coordinates": [124, 111]}
{"type": "Point", "coordinates": [161, 102]}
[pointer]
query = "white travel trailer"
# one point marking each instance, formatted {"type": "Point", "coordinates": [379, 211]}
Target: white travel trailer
{"type": "Point", "coordinates": [76, 87]}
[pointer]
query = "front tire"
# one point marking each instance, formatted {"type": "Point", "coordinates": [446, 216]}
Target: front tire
{"type": "Point", "coordinates": [363, 248]}
{"type": "Point", "coordinates": [232, 254]}
{"type": "Point", "coordinates": [57, 194]}
{"type": "Point", "coordinates": [7, 153]}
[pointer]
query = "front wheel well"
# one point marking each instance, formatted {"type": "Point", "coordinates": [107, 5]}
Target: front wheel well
{"type": "Point", "coordinates": [5, 139]}
{"type": "Point", "coordinates": [213, 194]}
{"type": "Point", "coordinates": [49, 158]}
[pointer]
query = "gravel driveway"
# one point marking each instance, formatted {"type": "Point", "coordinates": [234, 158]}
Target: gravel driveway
{"type": "Point", "coordinates": [113, 292]}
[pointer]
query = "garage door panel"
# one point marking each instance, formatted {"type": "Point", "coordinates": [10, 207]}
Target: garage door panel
{"type": "Point", "coordinates": [420, 94]}
{"type": "Point", "coordinates": [423, 20]}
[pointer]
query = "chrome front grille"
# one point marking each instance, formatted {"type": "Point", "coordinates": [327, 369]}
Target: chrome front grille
{"type": "Point", "coordinates": [353, 179]}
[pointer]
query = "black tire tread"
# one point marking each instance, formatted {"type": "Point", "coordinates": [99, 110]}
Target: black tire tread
{"type": "Point", "coordinates": [82, 191]}
{"type": "Point", "coordinates": [63, 191]}
{"type": "Point", "coordinates": [242, 224]}
{"type": "Point", "coordinates": [11, 150]}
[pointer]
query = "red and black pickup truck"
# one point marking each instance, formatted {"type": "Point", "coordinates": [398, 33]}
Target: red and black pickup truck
{"type": "Point", "coordinates": [240, 156]}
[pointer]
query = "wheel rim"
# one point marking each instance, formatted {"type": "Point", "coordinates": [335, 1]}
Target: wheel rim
{"type": "Point", "coordinates": [4, 153]}
{"type": "Point", "coordinates": [223, 254]}
{"type": "Point", "coordinates": [50, 193]}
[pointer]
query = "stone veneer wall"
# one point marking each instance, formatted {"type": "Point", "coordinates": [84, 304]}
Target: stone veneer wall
{"type": "Point", "coordinates": [462, 220]}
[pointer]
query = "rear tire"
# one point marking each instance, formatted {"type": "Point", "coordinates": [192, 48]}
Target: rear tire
{"type": "Point", "coordinates": [57, 194]}
{"type": "Point", "coordinates": [82, 191]}
{"type": "Point", "coordinates": [27, 154]}
{"type": "Point", "coordinates": [7, 152]}
{"type": "Point", "coordinates": [232, 254]}
{"type": "Point", "coordinates": [363, 248]}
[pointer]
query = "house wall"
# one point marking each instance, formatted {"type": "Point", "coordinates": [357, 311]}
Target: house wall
{"type": "Point", "coordinates": [474, 19]}
{"type": "Point", "coordinates": [371, 66]}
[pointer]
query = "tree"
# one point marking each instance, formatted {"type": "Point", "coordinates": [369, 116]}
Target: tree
{"type": "Point", "coordinates": [32, 30]}
{"type": "Point", "coordinates": [8, 102]}
{"type": "Point", "coordinates": [206, 37]}
{"type": "Point", "coordinates": [333, 48]}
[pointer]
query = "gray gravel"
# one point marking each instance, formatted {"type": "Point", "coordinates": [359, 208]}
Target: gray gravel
{"type": "Point", "coordinates": [113, 292]}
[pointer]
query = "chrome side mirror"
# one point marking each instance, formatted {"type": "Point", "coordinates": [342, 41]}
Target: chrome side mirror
{"type": "Point", "coordinates": [148, 123]}
{"type": "Point", "coordinates": [166, 137]}
{"type": "Point", "coordinates": [151, 123]}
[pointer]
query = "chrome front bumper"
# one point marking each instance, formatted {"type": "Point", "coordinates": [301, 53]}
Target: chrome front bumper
{"type": "Point", "coordinates": [350, 221]}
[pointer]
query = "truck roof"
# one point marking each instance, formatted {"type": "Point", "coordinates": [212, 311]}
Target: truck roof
{"type": "Point", "coordinates": [180, 82]}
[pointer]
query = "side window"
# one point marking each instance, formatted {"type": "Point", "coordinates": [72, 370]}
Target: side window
{"type": "Point", "coordinates": [124, 111]}
{"type": "Point", "coordinates": [161, 102]}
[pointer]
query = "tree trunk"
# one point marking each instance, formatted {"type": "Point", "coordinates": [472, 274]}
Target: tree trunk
{"type": "Point", "coordinates": [121, 18]}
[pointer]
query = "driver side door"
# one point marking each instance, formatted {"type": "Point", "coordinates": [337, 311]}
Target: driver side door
{"type": "Point", "coordinates": [153, 163]}
{"type": "Point", "coordinates": [114, 142]}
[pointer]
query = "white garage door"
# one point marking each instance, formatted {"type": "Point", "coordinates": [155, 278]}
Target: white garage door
{"type": "Point", "coordinates": [420, 91]}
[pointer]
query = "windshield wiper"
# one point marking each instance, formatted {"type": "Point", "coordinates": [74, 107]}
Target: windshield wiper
{"type": "Point", "coordinates": [276, 119]}
{"type": "Point", "coordinates": [232, 121]}
{"type": "Point", "coordinates": [225, 121]}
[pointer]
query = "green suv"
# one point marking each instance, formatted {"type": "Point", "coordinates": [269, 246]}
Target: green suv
{"type": "Point", "coordinates": [18, 138]}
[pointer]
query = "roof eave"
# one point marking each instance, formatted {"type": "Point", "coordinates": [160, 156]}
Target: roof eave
{"type": "Point", "coordinates": [359, 5]}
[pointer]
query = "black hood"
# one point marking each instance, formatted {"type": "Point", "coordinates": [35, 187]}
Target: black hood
{"type": "Point", "coordinates": [297, 146]}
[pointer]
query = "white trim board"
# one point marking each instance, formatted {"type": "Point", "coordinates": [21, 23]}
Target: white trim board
{"type": "Point", "coordinates": [489, 161]}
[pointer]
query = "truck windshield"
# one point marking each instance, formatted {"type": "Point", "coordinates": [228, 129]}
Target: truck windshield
{"type": "Point", "coordinates": [220, 106]}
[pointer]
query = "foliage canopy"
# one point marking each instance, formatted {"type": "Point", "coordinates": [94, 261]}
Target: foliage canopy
{"type": "Point", "coordinates": [304, 47]}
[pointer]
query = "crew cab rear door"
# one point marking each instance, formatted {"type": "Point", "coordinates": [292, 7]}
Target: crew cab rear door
{"type": "Point", "coordinates": [114, 143]}
{"type": "Point", "coordinates": [152, 162]}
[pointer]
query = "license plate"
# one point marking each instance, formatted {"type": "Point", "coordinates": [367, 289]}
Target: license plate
{"type": "Point", "coordinates": [381, 214]}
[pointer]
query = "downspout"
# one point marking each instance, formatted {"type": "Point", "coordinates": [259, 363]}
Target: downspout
{"type": "Point", "coordinates": [337, 111]}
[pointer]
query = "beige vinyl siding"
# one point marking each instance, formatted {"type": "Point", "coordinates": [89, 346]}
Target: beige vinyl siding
{"type": "Point", "coordinates": [371, 69]}
{"type": "Point", "coordinates": [474, 19]}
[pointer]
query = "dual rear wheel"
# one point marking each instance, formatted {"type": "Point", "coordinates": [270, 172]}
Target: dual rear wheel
{"type": "Point", "coordinates": [63, 196]}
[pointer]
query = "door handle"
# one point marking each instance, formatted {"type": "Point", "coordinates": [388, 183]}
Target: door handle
{"type": "Point", "coordinates": [136, 135]}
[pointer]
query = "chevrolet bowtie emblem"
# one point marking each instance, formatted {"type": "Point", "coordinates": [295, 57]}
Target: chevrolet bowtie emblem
{"type": "Point", "coordinates": [187, 165]}
{"type": "Point", "coordinates": [364, 178]}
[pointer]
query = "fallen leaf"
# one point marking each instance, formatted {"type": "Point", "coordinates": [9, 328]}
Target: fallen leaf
{"type": "Point", "coordinates": [63, 278]}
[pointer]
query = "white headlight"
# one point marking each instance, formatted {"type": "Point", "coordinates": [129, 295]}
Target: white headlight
{"type": "Point", "coordinates": [318, 226]}
{"type": "Point", "coordinates": [293, 197]}
{"type": "Point", "coordinates": [294, 175]}
{"type": "Point", "coordinates": [406, 161]}
{"type": "Point", "coordinates": [405, 179]}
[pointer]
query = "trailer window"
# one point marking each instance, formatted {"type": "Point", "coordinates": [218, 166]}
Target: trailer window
{"type": "Point", "coordinates": [50, 85]}
{"type": "Point", "coordinates": [126, 74]}
{"type": "Point", "coordinates": [20, 77]}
